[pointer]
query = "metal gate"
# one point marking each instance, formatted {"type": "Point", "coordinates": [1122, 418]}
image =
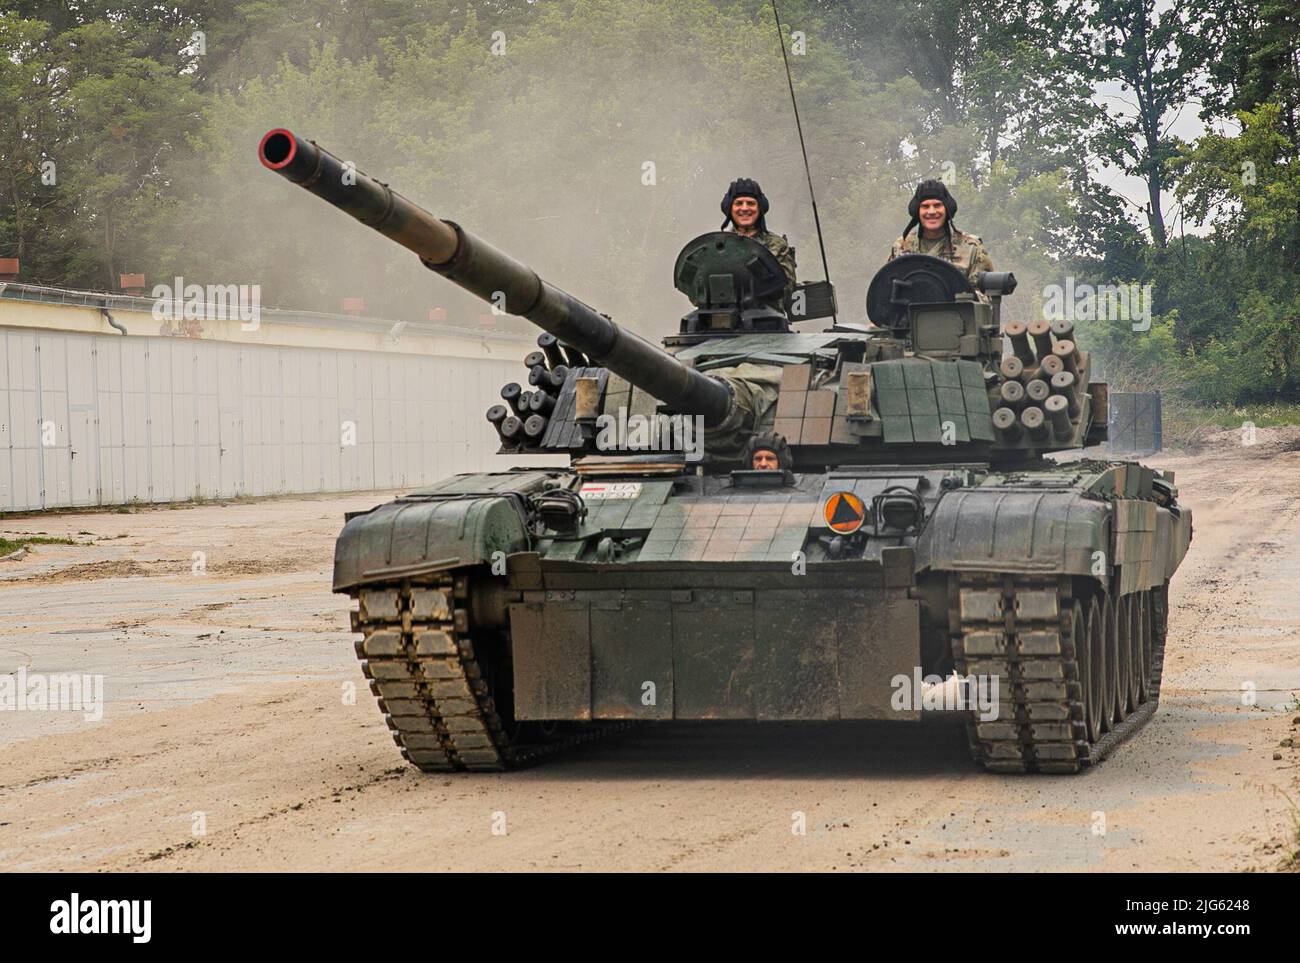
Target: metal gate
{"type": "Point", "coordinates": [1135, 421]}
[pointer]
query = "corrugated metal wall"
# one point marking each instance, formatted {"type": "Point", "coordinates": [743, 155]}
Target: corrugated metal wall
{"type": "Point", "coordinates": [95, 420]}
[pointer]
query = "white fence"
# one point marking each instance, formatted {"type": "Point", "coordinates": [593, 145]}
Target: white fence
{"type": "Point", "coordinates": [90, 419]}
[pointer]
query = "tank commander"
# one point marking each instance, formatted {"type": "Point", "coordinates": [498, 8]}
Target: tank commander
{"type": "Point", "coordinates": [933, 207]}
{"type": "Point", "coordinates": [745, 208]}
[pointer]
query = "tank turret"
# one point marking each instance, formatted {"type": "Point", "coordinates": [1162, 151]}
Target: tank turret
{"type": "Point", "coordinates": [937, 378]}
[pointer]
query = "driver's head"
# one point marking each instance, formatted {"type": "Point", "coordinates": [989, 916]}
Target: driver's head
{"type": "Point", "coordinates": [768, 452]}
{"type": "Point", "coordinates": [765, 459]}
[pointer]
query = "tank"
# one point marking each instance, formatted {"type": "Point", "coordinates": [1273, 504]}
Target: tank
{"type": "Point", "coordinates": [913, 549]}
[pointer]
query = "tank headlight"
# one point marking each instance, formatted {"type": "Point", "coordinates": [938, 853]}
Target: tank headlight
{"type": "Point", "coordinates": [898, 508]}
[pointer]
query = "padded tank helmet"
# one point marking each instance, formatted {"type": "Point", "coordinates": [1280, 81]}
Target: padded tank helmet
{"type": "Point", "coordinates": [773, 442]}
{"type": "Point", "coordinates": [745, 187]}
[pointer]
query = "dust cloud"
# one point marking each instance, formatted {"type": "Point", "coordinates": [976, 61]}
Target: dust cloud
{"type": "Point", "coordinates": [592, 168]}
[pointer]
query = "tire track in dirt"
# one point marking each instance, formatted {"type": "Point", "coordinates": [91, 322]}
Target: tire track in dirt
{"type": "Point", "coordinates": [291, 778]}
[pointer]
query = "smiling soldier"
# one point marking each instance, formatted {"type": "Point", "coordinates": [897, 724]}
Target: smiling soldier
{"type": "Point", "coordinates": [745, 208]}
{"type": "Point", "coordinates": [933, 207]}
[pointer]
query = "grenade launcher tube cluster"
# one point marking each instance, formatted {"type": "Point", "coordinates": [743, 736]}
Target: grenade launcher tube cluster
{"type": "Point", "coordinates": [481, 269]}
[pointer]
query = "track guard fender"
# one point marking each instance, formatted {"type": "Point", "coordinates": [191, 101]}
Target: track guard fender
{"type": "Point", "coordinates": [412, 537]}
{"type": "Point", "coordinates": [992, 529]}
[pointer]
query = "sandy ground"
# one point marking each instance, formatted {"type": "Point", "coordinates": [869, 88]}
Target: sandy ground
{"type": "Point", "coordinates": [230, 738]}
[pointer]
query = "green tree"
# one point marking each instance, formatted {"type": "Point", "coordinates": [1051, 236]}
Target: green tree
{"type": "Point", "coordinates": [84, 92]}
{"type": "Point", "coordinates": [1150, 54]}
{"type": "Point", "coordinates": [1251, 49]}
{"type": "Point", "coordinates": [127, 115]}
{"type": "Point", "coordinates": [28, 135]}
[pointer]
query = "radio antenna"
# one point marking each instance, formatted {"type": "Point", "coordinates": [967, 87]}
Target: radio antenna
{"type": "Point", "coordinates": [780, 36]}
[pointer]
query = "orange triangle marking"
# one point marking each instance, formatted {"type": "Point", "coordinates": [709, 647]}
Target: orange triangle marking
{"type": "Point", "coordinates": [845, 512]}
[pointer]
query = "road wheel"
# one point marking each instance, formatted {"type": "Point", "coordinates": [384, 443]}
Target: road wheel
{"type": "Point", "coordinates": [1095, 683]}
{"type": "Point", "coordinates": [1123, 660]}
{"type": "Point", "coordinates": [1131, 641]}
{"type": "Point", "coordinates": [1110, 713]}
{"type": "Point", "coordinates": [1142, 622]}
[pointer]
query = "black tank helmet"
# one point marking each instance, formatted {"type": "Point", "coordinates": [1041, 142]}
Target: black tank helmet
{"type": "Point", "coordinates": [745, 187]}
{"type": "Point", "coordinates": [931, 190]}
{"type": "Point", "coordinates": [769, 441]}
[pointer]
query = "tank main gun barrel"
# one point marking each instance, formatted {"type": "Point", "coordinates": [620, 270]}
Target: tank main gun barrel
{"type": "Point", "coordinates": [481, 269]}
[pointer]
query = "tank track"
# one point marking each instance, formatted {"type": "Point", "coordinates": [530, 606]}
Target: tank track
{"type": "Point", "coordinates": [418, 653]}
{"type": "Point", "coordinates": [1022, 629]}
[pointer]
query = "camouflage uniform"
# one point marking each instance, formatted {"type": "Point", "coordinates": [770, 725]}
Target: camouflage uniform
{"type": "Point", "coordinates": [966, 251]}
{"type": "Point", "coordinates": [754, 391]}
{"type": "Point", "coordinates": [784, 254]}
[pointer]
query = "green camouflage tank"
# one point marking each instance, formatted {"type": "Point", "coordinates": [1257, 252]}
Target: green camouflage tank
{"type": "Point", "coordinates": [914, 552]}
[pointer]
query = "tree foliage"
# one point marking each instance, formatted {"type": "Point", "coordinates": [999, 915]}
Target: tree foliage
{"type": "Point", "coordinates": [591, 138]}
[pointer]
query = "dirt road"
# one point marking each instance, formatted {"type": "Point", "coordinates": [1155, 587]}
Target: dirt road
{"type": "Point", "coordinates": [229, 737]}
